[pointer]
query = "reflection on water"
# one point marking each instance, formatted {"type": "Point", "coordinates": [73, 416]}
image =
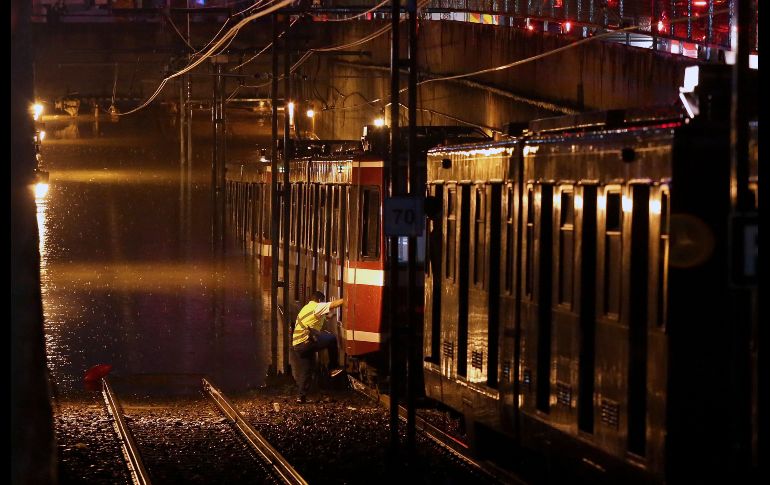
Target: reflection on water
{"type": "Point", "coordinates": [127, 274]}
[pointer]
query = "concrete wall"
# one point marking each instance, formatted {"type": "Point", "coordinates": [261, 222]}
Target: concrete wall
{"type": "Point", "coordinates": [595, 75]}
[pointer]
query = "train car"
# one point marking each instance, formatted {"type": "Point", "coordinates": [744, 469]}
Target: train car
{"type": "Point", "coordinates": [338, 245]}
{"type": "Point", "coordinates": [248, 199]}
{"type": "Point", "coordinates": [576, 296]}
{"type": "Point", "coordinates": [335, 230]}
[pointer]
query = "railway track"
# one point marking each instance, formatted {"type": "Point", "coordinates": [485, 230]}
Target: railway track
{"type": "Point", "coordinates": [153, 457]}
{"type": "Point", "coordinates": [456, 449]}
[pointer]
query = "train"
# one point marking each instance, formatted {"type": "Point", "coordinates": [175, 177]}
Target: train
{"type": "Point", "coordinates": [575, 277]}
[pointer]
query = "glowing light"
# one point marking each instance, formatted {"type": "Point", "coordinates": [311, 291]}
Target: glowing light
{"type": "Point", "coordinates": [310, 113]}
{"type": "Point", "coordinates": [567, 26]}
{"type": "Point", "coordinates": [661, 26]}
{"type": "Point", "coordinates": [601, 201]}
{"type": "Point", "coordinates": [530, 150]}
{"type": "Point", "coordinates": [700, 3]}
{"type": "Point", "coordinates": [42, 135]}
{"type": "Point", "coordinates": [37, 110]}
{"type": "Point", "coordinates": [655, 206]}
{"type": "Point", "coordinates": [379, 122]}
{"type": "Point", "coordinates": [628, 204]}
{"type": "Point", "coordinates": [291, 112]}
{"type": "Point", "coordinates": [578, 202]}
{"type": "Point", "coordinates": [41, 189]}
{"type": "Point", "coordinates": [529, 27]}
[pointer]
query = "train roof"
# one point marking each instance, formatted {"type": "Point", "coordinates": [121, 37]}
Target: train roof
{"type": "Point", "coordinates": [599, 120]}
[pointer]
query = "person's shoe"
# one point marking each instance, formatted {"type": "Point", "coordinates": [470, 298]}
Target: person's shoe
{"type": "Point", "coordinates": [301, 400]}
{"type": "Point", "coordinates": [336, 372]}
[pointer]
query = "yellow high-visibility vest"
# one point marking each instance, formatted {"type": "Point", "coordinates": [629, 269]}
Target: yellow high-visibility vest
{"type": "Point", "coordinates": [306, 319]}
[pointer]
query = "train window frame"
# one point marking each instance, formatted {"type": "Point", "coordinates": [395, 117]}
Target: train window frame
{"type": "Point", "coordinates": [664, 246]}
{"type": "Point", "coordinates": [267, 208]}
{"type": "Point", "coordinates": [510, 239]}
{"type": "Point", "coordinates": [335, 189]}
{"type": "Point", "coordinates": [450, 244]}
{"type": "Point", "coordinates": [528, 251]}
{"type": "Point", "coordinates": [612, 309]}
{"type": "Point", "coordinates": [293, 209]}
{"type": "Point", "coordinates": [367, 216]}
{"type": "Point", "coordinates": [566, 227]}
{"type": "Point", "coordinates": [344, 228]}
{"type": "Point", "coordinates": [480, 245]}
{"type": "Point", "coordinates": [281, 222]}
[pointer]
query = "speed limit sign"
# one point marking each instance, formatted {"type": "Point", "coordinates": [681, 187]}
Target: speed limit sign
{"type": "Point", "coordinates": [404, 216]}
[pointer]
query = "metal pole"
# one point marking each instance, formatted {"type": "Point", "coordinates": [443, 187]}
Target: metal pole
{"type": "Point", "coordinates": [219, 149]}
{"type": "Point", "coordinates": [412, 320]}
{"type": "Point", "coordinates": [214, 212]}
{"type": "Point", "coordinates": [394, 186]}
{"type": "Point", "coordinates": [274, 201]}
{"type": "Point", "coordinates": [286, 193]}
{"type": "Point", "coordinates": [742, 206]}
{"type": "Point", "coordinates": [222, 152]}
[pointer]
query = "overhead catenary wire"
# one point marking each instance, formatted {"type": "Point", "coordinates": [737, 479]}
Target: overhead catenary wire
{"type": "Point", "coordinates": [264, 48]}
{"type": "Point", "coordinates": [227, 36]}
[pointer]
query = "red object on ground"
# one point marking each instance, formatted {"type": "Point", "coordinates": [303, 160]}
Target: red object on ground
{"type": "Point", "coordinates": [95, 373]}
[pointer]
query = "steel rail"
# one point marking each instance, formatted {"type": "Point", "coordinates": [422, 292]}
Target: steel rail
{"type": "Point", "coordinates": [281, 466]}
{"type": "Point", "coordinates": [136, 467]}
{"type": "Point", "coordinates": [450, 444]}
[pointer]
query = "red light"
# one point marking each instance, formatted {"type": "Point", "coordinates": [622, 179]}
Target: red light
{"type": "Point", "coordinates": [568, 26]}
{"type": "Point", "coordinates": [661, 27]}
{"type": "Point", "coordinates": [529, 27]}
{"type": "Point", "coordinates": [700, 3]}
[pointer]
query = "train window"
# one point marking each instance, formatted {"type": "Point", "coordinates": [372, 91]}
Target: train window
{"type": "Point", "coordinates": [566, 245]}
{"type": "Point", "coordinates": [613, 257]}
{"type": "Point", "coordinates": [663, 259]}
{"type": "Point", "coordinates": [318, 242]}
{"type": "Point", "coordinates": [294, 217]}
{"type": "Point", "coordinates": [370, 224]}
{"type": "Point", "coordinates": [335, 218]}
{"type": "Point", "coordinates": [754, 191]}
{"type": "Point", "coordinates": [479, 236]}
{"type": "Point", "coordinates": [267, 217]}
{"type": "Point", "coordinates": [281, 222]}
{"type": "Point", "coordinates": [529, 277]}
{"type": "Point", "coordinates": [509, 249]}
{"type": "Point", "coordinates": [451, 232]}
{"type": "Point", "coordinates": [257, 211]}
{"type": "Point", "coordinates": [344, 196]}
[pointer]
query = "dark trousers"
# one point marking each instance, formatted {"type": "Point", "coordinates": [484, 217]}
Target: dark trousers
{"type": "Point", "coordinates": [305, 353]}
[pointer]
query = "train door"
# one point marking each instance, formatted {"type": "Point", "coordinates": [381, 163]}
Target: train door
{"type": "Point", "coordinates": [322, 279]}
{"type": "Point", "coordinates": [585, 301]}
{"type": "Point", "coordinates": [483, 283]}
{"type": "Point", "coordinates": [463, 279]}
{"type": "Point", "coordinates": [433, 277]}
{"type": "Point", "coordinates": [508, 261]}
{"type": "Point", "coordinates": [364, 277]}
{"type": "Point", "coordinates": [255, 217]}
{"type": "Point", "coordinates": [657, 361]}
{"type": "Point", "coordinates": [449, 295]}
{"type": "Point", "coordinates": [293, 246]}
{"type": "Point", "coordinates": [612, 342]}
{"type": "Point", "coordinates": [565, 321]}
{"type": "Point", "coordinates": [536, 300]}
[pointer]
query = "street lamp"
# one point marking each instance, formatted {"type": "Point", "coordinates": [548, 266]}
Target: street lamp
{"type": "Point", "coordinates": [311, 114]}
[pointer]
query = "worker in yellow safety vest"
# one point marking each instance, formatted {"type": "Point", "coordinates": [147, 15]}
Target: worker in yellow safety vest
{"type": "Point", "coordinates": [309, 337]}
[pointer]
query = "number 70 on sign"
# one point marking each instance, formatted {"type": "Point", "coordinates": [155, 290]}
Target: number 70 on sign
{"type": "Point", "coordinates": [404, 216]}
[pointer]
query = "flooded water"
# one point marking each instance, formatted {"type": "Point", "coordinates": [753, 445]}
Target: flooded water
{"type": "Point", "coordinates": [127, 272]}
